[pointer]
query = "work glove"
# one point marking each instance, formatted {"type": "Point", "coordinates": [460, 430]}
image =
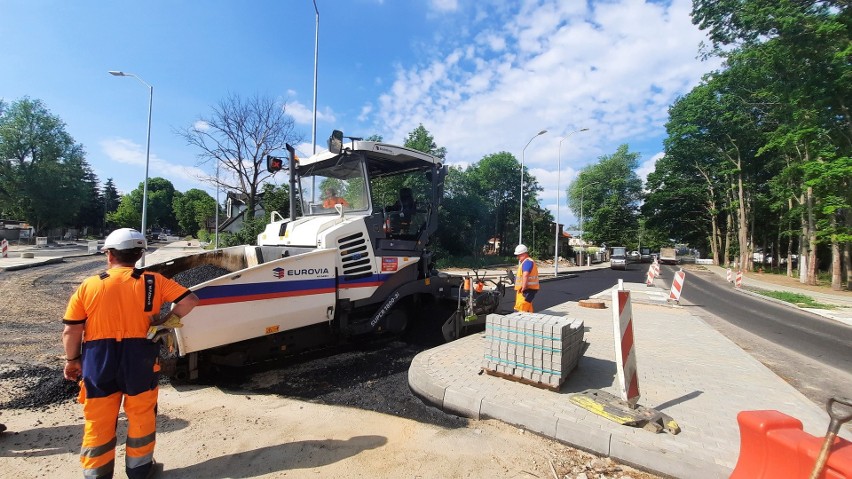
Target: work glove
{"type": "Point", "coordinates": [159, 323]}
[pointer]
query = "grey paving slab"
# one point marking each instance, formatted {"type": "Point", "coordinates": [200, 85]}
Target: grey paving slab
{"type": "Point", "coordinates": [686, 370]}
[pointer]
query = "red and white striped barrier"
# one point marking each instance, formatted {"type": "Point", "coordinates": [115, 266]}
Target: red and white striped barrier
{"type": "Point", "coordinates": [625, 351]}
{"type": "Point", "coordinates": [729, 275]}
{"type": "Point", "coordinates": [677, 286]}
{"type": "Point", "coordinates": [4, 245]}
{"type": "Point", "coordinates": [656, 267]}
{"type": "Point", "coordinates": [739, 283]}
{"type": "Point", "coordinates": [649, 280]}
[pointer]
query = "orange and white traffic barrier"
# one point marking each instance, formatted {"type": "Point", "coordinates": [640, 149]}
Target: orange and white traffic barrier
{"type": "Point", "coordinates": [649, 280]}
{"type": "Point", "coordinates": [4, 245]}
{"type": "Point", "coordinates": [677, 286]}
{"type": "Point", "coordinates": [656, 267]}
{"type": "Point", "coordinates": [739, 283]}
{"type": "Point", "coordinates": [625, 351]}
{"type": "Point", "coordinates": [729, 276]}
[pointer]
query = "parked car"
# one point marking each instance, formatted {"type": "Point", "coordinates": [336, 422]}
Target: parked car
{"type": "Point", "coordinates": [618, 262]}
{"type": "Point", "coordinates": [634, 257]}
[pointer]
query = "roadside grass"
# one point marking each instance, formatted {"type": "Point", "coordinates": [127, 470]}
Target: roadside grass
{"type": "Point", "coordinates": [800, 300]}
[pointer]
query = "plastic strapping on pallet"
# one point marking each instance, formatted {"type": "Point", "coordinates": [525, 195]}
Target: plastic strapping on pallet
{"type": "Point", "coordinates": [625, 351]}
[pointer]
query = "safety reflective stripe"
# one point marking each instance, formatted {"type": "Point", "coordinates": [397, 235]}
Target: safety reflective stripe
{"type": "Point", "coordinates": [133, 462]}
{"type": "Point", "coordinates": [532, 276]}
{"type": "Point", "coordinates": [97, 472]}
{"type": "Point", "coordinates": [95, 451]}
{"type": "Point", "coordinates": [141, 441]}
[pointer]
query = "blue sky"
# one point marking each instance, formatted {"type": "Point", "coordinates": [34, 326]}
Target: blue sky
{"type": "Point", "coordinates": [482, 76]}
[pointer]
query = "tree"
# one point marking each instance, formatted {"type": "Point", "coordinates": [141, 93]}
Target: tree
{"type": "Point", "coordinates": [111, 200]}
{"type": "Point", "coordinates": [91, 213]}
{"type": "Point", "coordinates": [42, 170]}
{"type": "Point", "coordinates": [161, 195]}
{"type": "Point", "coordinates": [788, 65]}
{"type": "Point", "coordinates": [238, 136]}
{"type": "Point", "coordinates": [421, 140]}
{"type": "Point", "coordinates": [611, 191]}
{"type": "Point", "coordinates": [494, 179]}
{"type": "Point", "coordinates": [193, 210]}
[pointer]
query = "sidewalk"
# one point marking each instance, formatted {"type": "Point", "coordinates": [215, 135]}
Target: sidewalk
{"type": "Point", "coordinates": [686, 369]}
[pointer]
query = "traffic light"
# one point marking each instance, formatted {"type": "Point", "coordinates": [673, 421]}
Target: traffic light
{"type": "Point", "coordinates": [274, 163]}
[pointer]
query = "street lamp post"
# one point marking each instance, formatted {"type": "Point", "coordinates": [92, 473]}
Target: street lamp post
{"type": "Point", "coordinates": [558, 186]}
{"type": "Point", "coordinates": [521, 205]}
{"type": "Point", "coordinates": [147, 152]}
{"type": "Point", "coordinates": [316, 57]}
{"type": "Point", "coordinates": [582, 230]}
{"type": "Point", "coordinates": [216, 243]}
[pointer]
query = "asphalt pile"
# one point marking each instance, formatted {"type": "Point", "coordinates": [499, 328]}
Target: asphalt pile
{"type": "Point", "coordinates": [199, 274]}
{"type": "Point", "coordinates": [34, 387]}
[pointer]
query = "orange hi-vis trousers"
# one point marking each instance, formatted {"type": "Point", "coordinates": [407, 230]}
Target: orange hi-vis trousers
{"type": "Point", "coordinates": [97, 455]}
{"type": "Point", "coordinates": [115, 372]}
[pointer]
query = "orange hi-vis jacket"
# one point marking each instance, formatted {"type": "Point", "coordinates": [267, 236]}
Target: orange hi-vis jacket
{"type": "Point", "coordinates": [532, 277]}
{"type": "Point", "coordinates": [116, 307]}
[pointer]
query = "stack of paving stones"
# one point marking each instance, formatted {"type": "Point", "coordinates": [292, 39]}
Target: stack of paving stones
{"type": "Point", "coordinates": [537, 349]}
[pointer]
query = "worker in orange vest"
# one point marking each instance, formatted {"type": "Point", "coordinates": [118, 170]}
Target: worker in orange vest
{"type": "Point", "coordinates": [111, 323]}
{"type": "Point", "coordinates": [526, 281]}
{"type": "Point", "coordinates": [332, 199]}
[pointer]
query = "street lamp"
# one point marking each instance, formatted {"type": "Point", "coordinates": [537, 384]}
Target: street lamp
{"type": "Point", "coordinates": [316, 56]}
{"type": "Point", "coordinates": [582, 230]}
{"type": "Point", "coordinates": [521, 206]}
{"type": "Point", "coordinates": [147, 153]}
{"type": "Point", "coordinates": [558, 181]}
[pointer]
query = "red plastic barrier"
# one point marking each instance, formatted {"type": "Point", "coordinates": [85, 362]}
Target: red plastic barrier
{"type": "Point", "coordinates": [774, 446]}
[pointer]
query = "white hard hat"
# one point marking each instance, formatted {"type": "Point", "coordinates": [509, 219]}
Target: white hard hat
{"type": "Point", "coordinates": [520, 249]}
{"type": "Point", "coordinates": [125, 238]}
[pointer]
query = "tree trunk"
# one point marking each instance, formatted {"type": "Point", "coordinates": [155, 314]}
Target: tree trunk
{"type": "Point", "coordinates": [803, 243]}
{"type": "Point", "coordinates": [729, 223]}
{"type": "Point", "coordinates": [812, 240]}
{"type": "Point", "coordinates": [742, 217]}
{"type": "Point", "coordinates": [836, 266]}
{"type": "Point", "coordinates": [790, 243]}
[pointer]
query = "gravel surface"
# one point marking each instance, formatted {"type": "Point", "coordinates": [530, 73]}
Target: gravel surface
{"type": "Point", "coordinates": [370, 376]}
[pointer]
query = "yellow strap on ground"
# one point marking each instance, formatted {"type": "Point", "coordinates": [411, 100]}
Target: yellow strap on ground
{"type": "Point", "coordinates": [590, 404]}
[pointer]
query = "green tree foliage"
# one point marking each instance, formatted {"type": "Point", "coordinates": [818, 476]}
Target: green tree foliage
{"type": "Point", "coordinates": [161, 194]}
{"type": "Point", "coordinates": [43, 172]}
{"type": "Point", "coordinates": [421, 140]}
{"type": "Point", "coordinates": [110, 199]}
{"type": "Point", "coordinates": [91, 213]}
{"type": "Point", "coordinates": [610, 192]}
{"type": "Point", "coordinates": [193, 210]}
{"type": "Point", "coordinates": [769, 136]}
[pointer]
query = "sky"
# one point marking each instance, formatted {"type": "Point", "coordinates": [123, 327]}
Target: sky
{"type": "Point", "coordinates": [481, 76]}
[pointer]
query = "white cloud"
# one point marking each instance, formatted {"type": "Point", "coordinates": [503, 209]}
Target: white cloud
{"type": "Point", "coordinates": [444, 5]}
{"type": "Point", "coordinates": [648, 167]}
{"type": "Point", "coordinates": [127, 152]}
{"type": "Point", "coordinates": [201, 125]}
{"type": "Point", "coordinates": [552, 65]}
{"type": "Point", "coordinates": [304, 114]}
